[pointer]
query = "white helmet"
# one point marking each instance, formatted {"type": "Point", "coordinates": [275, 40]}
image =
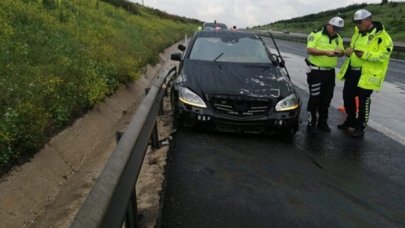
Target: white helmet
{"type": "Point", "coordinates": [361, 14]}
{"type": "Point", "coordinates": [337, 22]}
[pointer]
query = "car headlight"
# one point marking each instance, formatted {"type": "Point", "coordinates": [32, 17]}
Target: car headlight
{"type": "Point", "coordinates": [288, 103]}
{"type": "Point", "coordinates": [189, 97]}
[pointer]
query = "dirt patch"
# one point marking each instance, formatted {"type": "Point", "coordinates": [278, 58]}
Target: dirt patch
{"type": "Point", "coordinates": [48, 190]}
{"type": "Point", "coordinates": [151, 178]}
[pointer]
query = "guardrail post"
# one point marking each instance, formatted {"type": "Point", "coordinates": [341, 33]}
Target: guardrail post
{"type": "Point", "coordinates": [160, 105]}
{"type": "Point", "coordinates": [155, 138]}
{"type": "Point", "coordinates": [131, 220]}
{"type": "Point", "coordinates": [161, 108]}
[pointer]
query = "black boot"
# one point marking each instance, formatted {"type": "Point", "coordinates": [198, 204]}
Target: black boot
{"type": "Point", "coordinates": [311, 128]}
{"type": "Point", "coordinates": [358, 132]}
{"type": "Point", "coordinates": [323, 126]}
{"type": "Point", "coordinates": [345, 125]}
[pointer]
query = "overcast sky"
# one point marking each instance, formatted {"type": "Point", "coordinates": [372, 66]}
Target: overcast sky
{"type": "Point", "coordinates": [243, 13]}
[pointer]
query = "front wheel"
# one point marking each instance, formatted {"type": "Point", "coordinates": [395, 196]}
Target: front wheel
{"type": "Point", "coordinates": [288, 132]}
{"type": "Point", "coordinates": [177, 120]}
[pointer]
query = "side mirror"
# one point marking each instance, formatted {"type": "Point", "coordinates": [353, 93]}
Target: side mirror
{"type": "Point", "coordinates": [176, 56]}
{"type": "Point", "coordinates": [282, 63]}
{"type": "Point", "coordinates": [181, 47]}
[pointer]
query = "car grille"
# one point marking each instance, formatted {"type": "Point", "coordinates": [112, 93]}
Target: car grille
{"type": "Point", "coordinates": [240, 106]}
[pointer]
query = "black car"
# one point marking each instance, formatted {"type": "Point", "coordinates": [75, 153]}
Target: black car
{"type": "Point", "coordinates": [208, 26]}
{"type": "Point", "coordinates": [231, 81]}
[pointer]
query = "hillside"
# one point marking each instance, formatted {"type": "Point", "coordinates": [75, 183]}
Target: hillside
{"type": "Point", "coordinates": [391, 14]}
{"type": "Point", "coordinates": [60, 58]}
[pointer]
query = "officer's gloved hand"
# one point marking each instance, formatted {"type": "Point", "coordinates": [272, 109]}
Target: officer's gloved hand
{"type": "Point", "coordinates": [349, 51]}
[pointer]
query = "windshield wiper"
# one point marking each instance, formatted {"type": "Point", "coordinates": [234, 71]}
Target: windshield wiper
{"type": "Point", "coordinates": [219, 56]}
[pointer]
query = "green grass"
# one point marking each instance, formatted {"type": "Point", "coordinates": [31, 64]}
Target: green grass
{"type": "Point", "coordinates": [392, 15]}
{"type": "Point", "coordinates": [60, 57]}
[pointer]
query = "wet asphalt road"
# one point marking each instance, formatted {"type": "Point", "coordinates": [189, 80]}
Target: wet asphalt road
{"type": "Point", "coordinates": [227, 180]}
{"type": "Point", "coordinates": [330, 179]}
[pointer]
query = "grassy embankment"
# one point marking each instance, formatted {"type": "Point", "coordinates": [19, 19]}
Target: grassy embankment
{"type": "Point", "coordinates": [391, 14]}
{"type": "Point", "coordinates": [60, 57]}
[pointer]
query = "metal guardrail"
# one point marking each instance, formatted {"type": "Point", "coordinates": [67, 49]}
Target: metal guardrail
{"type": "Point", "coordinates": [397, 53]}
{"type": "Point", "coordinates": [112, 200]}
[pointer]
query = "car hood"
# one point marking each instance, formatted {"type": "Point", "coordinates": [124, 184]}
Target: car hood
{"type": "Point", "coordinates": [221, 78]}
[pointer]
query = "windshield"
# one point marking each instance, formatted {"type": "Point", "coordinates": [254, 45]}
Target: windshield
{"type": "Point", "coordinates": [246, 50]}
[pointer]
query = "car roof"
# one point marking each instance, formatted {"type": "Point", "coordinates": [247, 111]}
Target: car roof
{"type": "Point", "coordinates": [214, 24]}
{"type": "Point", "coordinates": [227, 34]}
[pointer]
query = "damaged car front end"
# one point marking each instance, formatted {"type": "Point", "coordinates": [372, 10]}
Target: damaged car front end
{"type": "Point", "coordinates": [230, 81]}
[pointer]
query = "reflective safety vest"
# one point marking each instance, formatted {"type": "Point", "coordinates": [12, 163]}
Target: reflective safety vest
{"type": "Point", "coordinates": [320, 39]}
{"type": "Point", "coordinates": [377, 47]}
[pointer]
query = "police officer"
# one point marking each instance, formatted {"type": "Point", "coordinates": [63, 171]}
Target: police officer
{"type": "Point", "coordinates": [324, 45]}
{"type": "Point", "coordinates": [364, 70]}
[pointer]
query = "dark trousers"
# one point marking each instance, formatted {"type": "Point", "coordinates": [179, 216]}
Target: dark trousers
{"type": "Point", "coordinates": [321, 84]}
{"type": "Point", "coordinates": [350, 92]}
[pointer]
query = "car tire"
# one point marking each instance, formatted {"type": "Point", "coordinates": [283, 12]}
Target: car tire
{"type": "Point", "coordinates": [289, 132]}
{"type": "Point", "coordinates": [177, 120]}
